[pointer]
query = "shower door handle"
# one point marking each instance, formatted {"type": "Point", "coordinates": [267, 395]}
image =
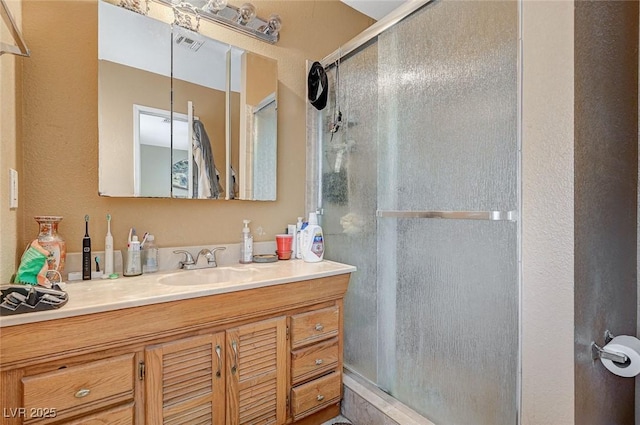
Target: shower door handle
{"type": "Point", "coordinates": [451, 215]}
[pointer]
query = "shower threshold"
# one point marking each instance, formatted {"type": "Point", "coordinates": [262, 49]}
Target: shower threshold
{"type": "Point", "coordinates": [366, 404]}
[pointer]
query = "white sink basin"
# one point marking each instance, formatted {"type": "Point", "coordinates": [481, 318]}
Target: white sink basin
{"type": "Point", "coordinates": [212, 276]}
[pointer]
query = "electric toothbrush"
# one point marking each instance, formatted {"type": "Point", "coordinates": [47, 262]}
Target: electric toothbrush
{"type": "Point", "coordinates": [108, 249]}
{"type": "Point", "coordinates": [86, 251]}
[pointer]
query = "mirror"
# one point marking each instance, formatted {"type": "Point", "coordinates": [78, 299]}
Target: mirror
{"type": "Point", "coordinates": [217, 139]}
{"type": "Point", "coordinates": [253, 152]}
{"type": "Point", "coordinates": [134, 86]}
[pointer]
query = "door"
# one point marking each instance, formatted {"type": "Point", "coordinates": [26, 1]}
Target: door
{"type": "Point", "coordinates": [185, 381]}
{"type": "Point", "coordinates": [606, 190]}
{"type": "Point", "coordinates": [257, 373]}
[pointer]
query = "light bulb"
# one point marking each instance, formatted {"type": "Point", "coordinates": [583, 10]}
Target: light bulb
{"type": "Point", "coordinates": [246, 13]}
{"type": "Point", "coordinates": [215, 6]}
{"type": "Point", "coordinates": [274, 24]}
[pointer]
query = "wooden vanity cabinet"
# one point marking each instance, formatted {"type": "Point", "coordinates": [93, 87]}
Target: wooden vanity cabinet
{"type": "Point", "coordinates": [193, 380]}
{"type": "Point", "coordinates": [268, 356]}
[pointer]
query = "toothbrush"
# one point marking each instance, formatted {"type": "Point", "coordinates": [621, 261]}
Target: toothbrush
{"type": "Point", "coordinates": [86, 251]}
{"type": "Point", "coordinates": [108, 249]}
{"type": "Point", "coordinates": [97, 263]}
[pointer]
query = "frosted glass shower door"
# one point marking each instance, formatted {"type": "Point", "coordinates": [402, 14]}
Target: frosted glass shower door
{"type": "Point", "coordinates": [447, 207]}
{"type": "Point", "coordinates": [420, 192]}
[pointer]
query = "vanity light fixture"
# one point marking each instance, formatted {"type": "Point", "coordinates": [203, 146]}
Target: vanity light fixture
{"type": "Point", "coordinates": [182, 13]}
{"type": "Point", "coordinates": [242, 19]}
{"type": "Point", "coordinates": [138, 6]}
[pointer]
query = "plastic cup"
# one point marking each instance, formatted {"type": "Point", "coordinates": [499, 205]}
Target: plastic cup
{"type": "Point", "coordinates": [283, 242]}
{"type": "Point", "coordinates": [283, 255]}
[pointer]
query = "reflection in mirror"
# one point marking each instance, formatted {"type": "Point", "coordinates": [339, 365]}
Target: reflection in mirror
{"type": "Point", "coordinates": [254, 150]}
{"type": "Point", "coordinates": [152, 148]}
{"type": "Point", "coordinates": [200, 93]}
{"type": "Point", "coordinates": [134, 86]}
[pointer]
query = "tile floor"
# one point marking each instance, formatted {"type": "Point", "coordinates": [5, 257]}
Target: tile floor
{"type": "Point", "coordinates": [337, 420]}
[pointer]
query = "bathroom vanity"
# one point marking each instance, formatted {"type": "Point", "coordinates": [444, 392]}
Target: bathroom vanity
{"type": "Point", "coordinates": [252, 344]}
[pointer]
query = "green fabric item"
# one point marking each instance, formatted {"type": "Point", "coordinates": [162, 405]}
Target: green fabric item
{"type": "Point", "coordinates": [31, 264]}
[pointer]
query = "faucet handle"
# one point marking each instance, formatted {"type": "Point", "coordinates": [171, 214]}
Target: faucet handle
{"type": "Point", "coordinates": [213, 260]}
{"type": "Point", "coordinates": [188, 258]}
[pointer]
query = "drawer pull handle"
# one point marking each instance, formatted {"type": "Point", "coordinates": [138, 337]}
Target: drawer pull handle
{"type": "Point", "coordinates": [318, 362]}
{"type": "Point", "coordinates": [320, 397]}
{"type": "Point", "coordinates": [319, 327]}
{"type": "Point", "coordinates": [82, 393]}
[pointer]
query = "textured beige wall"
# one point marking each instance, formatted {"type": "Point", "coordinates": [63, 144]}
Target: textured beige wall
{"type": "Point", "coordinates": [60, 136]}
{"type": "Point", "coordinates": [547, 218]}
{"type": "Point", "coordinates": [10, 154]}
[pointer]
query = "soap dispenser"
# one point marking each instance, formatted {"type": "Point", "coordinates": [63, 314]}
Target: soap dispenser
{"type": "Point", "coordinates": [246, 245]}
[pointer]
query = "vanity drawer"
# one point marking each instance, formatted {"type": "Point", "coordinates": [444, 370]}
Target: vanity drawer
{"type": "Point", "coordinates": [313, 360]}
{"type": "Point", "coordinates": [104, 381]}
{"type": "Point", "coordinates": [121, 415]}
{"type": "Point", "coordinates": [313, 326]}
{"type": "Point", "coordinates": [315, 395]}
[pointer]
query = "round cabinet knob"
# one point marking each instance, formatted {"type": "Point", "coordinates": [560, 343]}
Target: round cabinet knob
{"type": "Point", "coordinates": [319, 327]}
{"type": "Point", "coordinates": [82, 393]}
{"type": "Point", "coordinates": [320, 397]}
{"type": "Point", "coordinates": [318, 362]}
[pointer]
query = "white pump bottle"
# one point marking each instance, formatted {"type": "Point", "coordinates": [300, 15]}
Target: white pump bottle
{"type": "Point", "coordinates": [246, 246]}
{"type": "Point", "coordinates": [312, 241]}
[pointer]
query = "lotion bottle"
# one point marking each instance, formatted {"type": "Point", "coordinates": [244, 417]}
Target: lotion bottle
{"type": "Point", "coordinates": [312, 241]}
{"type": "Point", "coordinates": [246, 245]}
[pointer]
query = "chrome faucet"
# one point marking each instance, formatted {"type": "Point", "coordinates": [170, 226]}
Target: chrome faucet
{"type": "Point", "coordinates": [188, 263]}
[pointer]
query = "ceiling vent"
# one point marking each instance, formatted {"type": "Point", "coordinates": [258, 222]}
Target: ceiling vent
{"type": "Point", "coordinates": [188, 43]}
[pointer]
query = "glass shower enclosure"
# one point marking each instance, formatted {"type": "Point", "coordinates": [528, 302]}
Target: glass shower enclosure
{"type": "Point", "coordinates": [419, 188]}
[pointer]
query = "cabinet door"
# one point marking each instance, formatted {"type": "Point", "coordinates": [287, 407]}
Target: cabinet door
{"type": "Point", "coordinates": [185, 381]}
{"type": "Point", "coordinates": [257, 373]}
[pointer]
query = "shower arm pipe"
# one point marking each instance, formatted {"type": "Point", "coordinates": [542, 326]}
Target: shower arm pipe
{"type": "Point", "coordinates": [374, 30]}
{"type": "Point", "coordinates": [451, 215]}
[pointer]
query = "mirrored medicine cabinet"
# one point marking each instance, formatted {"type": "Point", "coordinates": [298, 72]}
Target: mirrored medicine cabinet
{"type": "Point", "coordinates": [181, 115]}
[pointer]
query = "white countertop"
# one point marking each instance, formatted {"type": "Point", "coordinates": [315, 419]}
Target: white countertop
{"type": "Point", "coordinates": [95, 296]}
